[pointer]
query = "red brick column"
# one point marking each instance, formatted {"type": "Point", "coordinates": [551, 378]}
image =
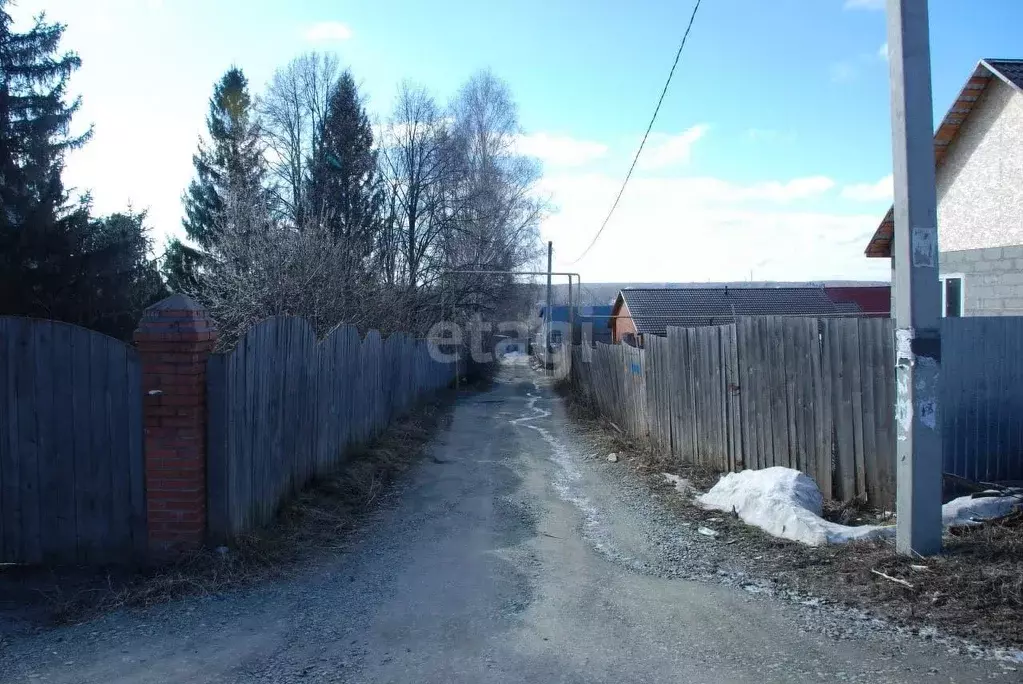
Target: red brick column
{"type": "Point", "coordinates": [174, 340]}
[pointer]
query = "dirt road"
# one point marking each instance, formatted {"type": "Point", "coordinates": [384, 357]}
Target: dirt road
{"type": "Point", "coordinates": [510, 555]}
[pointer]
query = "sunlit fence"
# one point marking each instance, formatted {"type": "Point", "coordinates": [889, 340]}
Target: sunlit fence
{"type": "Point", "coordinates": [813, 394]}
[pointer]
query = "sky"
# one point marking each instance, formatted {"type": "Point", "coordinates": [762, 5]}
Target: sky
{"type": "Point", "coordinates": [770, 159]}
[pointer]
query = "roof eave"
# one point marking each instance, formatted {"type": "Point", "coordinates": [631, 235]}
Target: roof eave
{"type": "Point", "coordinates": [880, 245]}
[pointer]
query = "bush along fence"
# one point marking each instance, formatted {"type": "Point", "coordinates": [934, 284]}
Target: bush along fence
{"type": "Point", "coordinates": [813, 394]}
{"type": "Point", "coordinates": [114, 453]}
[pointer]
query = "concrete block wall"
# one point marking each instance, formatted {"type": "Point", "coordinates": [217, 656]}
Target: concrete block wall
{"type": "Point", "coordinates": [993, 279]}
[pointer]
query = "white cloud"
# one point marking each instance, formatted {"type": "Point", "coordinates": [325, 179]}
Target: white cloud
{"type": "Point", "coordinates": [797, 189]}
{"type": "Point", "coordinates": [559, 150]}
{"type": "Point", "coordinates": [664, 150]}
{"type": "Point", "coordinates": [864, 4]}
{"type": "Point", "coordinates": [882, 52]}
{"type": "Point", "coordinates": [706, 229]}
{"type": "Point", "coordinates": [880, 191]}
{"type": "Point", "coordinates": [328, 31]}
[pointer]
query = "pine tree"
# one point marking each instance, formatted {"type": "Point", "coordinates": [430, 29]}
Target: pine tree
{"type": "Point", "coordinates": [344, 193]}
{"type": "Point", "coordinates": [231, 158]}
{"type": "Point", "coordinates": [42, 266]}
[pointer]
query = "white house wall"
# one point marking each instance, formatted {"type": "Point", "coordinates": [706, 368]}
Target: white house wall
{"type": "Point", "coordinates": [980, 184]}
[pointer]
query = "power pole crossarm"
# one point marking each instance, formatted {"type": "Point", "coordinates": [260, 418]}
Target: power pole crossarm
{"type": "Point", "coordinates": [917, 295]}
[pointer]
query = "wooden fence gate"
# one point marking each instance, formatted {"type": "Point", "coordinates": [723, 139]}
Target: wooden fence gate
{"type": "Point", "coordinates": [71, 464]}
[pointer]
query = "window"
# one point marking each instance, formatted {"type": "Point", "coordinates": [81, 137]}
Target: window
{"type": "Point", "coordinates": [952, 298]}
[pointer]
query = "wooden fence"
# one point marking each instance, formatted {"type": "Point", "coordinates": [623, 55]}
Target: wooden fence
{"type": "Point", "coordinates": [812, 394]}
{"type": "Point", "coordinates": [71, 464]}
{"type": "Point", "coordinates": [75, 453]}
{"type": "Point", "coordinates": [284, 409]}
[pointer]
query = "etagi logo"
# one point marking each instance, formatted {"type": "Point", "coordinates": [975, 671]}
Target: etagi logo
{"type": "Point", "coordinates": [486, 341]}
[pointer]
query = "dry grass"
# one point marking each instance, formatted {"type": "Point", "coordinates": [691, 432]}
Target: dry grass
{"type": "Point", "coordinates": [317, 521]}
{"type": "Point", "coordinates": [973, 589]}
{"type": "Point", "coordinates": [642, 457]}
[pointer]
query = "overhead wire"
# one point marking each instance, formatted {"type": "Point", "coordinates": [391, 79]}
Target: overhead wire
{"type": "Point", "coordinates": [642, 144]}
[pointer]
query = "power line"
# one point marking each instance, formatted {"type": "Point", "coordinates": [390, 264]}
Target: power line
{"type": "Point", "coordinates": [650, 127]}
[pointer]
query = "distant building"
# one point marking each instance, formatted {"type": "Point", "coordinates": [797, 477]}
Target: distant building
{"type": "Point", "coordinates": [978, 151]}
{"type": "Point", "coordinates": [639, 312]}
{"type": "Point", "coordinates": [591, 322]}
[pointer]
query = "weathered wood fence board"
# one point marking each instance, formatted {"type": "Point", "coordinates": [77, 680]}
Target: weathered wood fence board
{"type": "Point", "coordinates": [71, 480]}
{"type": "Point", "coordinates": [284, 409]}
{"type": "Point", "coordinates": [813, 394]}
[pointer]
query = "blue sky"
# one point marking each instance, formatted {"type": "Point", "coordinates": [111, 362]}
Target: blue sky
{"type": "Point", "coordinates": [771, 155]}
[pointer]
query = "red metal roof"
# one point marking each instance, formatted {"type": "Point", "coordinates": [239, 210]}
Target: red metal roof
{"type": "Point", "coordinates": [873, 301]}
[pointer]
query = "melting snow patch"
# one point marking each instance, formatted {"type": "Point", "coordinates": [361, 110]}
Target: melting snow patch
{"type": "Point", "coordinates": [968, 510]}
{"type": "Point", "coordinates": [515, 358]}
{"type": "Point", "coordinates": [784, 503]}
{"type": "Point", "coordinates": [682, 485]}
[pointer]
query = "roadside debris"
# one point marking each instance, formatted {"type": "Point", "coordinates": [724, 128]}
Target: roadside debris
{"type": "Point", "coordinates": [707, 532]}
{"type": "Point", "coordinates": [893, 579]}
{"type": "Point", "coordinates": [612, 457]}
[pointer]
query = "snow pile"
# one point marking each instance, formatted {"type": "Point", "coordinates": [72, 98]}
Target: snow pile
{"type": "Point", "coordinates": [787, 504]}
{"type": "Point", "coordinates": [967, 510]}
{"type": "Point", "coordinates": [784, 503]}
{"type": "Point", "coordinates": [515, 358]}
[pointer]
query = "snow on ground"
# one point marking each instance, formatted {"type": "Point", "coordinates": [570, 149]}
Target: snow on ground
{"type": "Point", "coordinates": [786, 503]}
{"type": "Point", "coordinates": [967, 510]}
{"type": "Point", "coordinates": [682, 485]}
{"type": "Point", "coordinates": [515, 358]}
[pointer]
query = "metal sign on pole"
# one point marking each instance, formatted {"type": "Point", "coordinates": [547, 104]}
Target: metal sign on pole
{"type": "Point", "coordinates": [915, 282]}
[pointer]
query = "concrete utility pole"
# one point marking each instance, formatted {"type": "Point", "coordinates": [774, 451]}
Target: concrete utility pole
{"type": "Point", "coordinates": [917, 294]}
{"type": "Point", "coordinates": [547, 310]}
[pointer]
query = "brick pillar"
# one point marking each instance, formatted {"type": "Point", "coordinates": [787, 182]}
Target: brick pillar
{"type": "Point", "coordinates": [174, 341]}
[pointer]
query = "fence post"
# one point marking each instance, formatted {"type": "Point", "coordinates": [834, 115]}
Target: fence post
{"type": "Point", "coordinates": [174, 339]}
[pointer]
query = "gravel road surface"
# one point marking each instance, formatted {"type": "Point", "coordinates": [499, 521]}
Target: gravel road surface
{"type": "Point", "coordinates": [511, 554]}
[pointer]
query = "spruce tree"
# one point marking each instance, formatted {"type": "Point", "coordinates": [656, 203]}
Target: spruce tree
{"type": "Point", "coordinates": [344, 193]}
{"type": "Point", "coordinates": [42, 266]}
{"type": "Point", "coordinates": [231, 158]}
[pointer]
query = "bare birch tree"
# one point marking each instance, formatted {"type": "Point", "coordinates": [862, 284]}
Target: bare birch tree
{"type": "Point", "coordinates": [292, 110]}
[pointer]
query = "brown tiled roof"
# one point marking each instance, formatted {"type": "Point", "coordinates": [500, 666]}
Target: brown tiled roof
{"type": "Point", "coordinates": [1008, 70]}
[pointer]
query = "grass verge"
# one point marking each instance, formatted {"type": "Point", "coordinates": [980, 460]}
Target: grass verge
{"type": "Point", "coordinates": [318, 521]}
{"type": "Point", "coordinates": [973, 589]}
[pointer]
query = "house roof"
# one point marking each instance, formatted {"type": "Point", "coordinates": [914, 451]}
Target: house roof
{"type": "Point", "coordinates": [1009, 71]}
{"type": "Point", "coordinates": [654, 310]}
